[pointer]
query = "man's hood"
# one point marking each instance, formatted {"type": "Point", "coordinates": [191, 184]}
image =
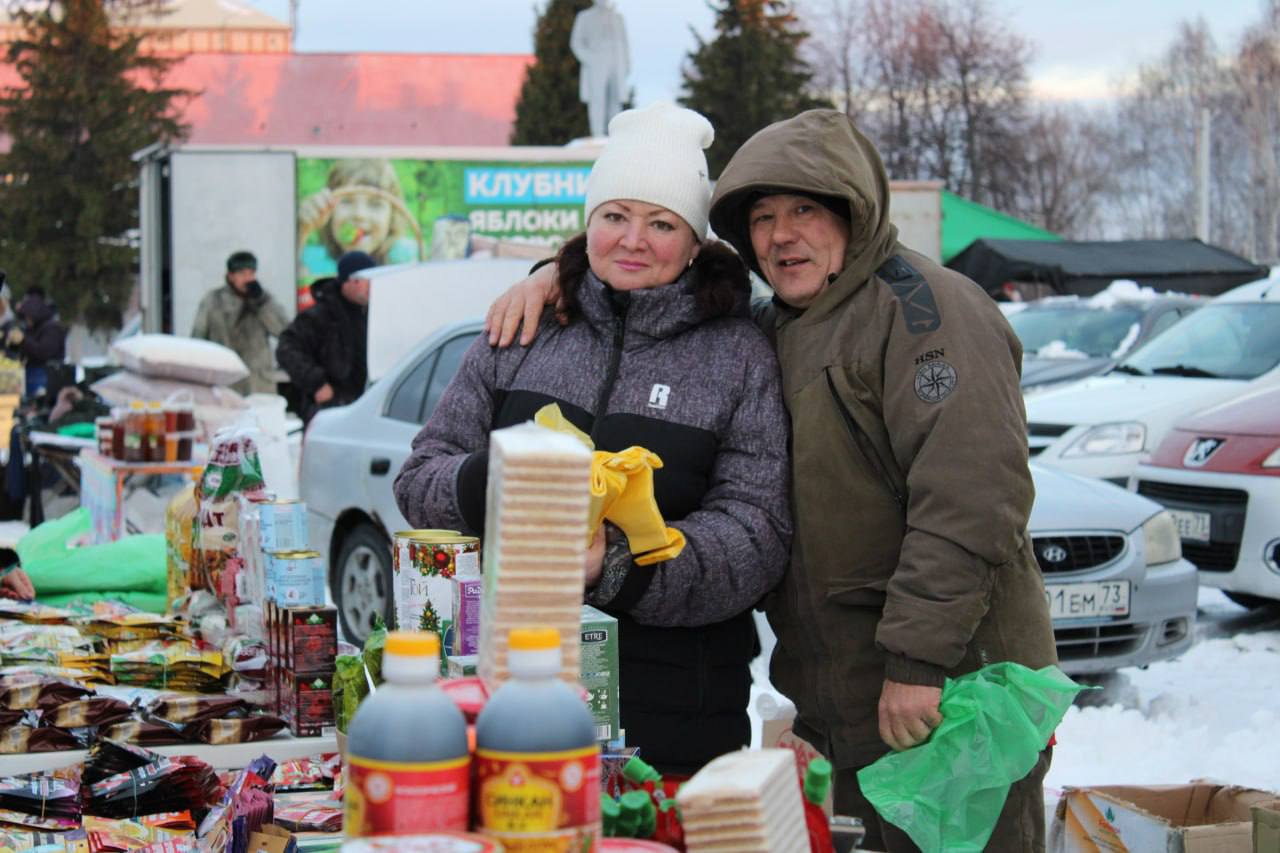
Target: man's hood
{"type": "Point", "coordinates": [819, 152]}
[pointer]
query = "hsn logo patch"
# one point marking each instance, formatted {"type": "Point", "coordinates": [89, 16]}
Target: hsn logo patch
{"type": "Point", "coordinates": [658, 396]}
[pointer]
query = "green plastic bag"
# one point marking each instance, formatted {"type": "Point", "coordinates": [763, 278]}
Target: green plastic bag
{"type": "Point", "coordinates": [947, 792]}
{"type": "Point", "coordinates": [131, 564]}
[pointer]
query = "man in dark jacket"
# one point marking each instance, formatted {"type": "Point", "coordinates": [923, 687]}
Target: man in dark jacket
{"type": "Point", "coordinates": [324, 349]}
{"type": "Point", "coordinates": [40, 341]}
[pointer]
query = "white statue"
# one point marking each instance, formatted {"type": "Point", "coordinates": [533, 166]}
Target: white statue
{"type": "Point", "coordinates": [599, 41]}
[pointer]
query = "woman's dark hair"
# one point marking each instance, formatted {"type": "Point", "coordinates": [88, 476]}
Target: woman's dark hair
{"type": "Point", "coordinates": [720, 284]}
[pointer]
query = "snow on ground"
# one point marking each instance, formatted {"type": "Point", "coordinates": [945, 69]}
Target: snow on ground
{"type": "Point", "coordinates": [1213, 714]}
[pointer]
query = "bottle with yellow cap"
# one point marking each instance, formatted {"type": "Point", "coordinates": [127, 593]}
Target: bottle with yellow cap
{"type": "Point", "coordinates": [537, 760]}
{"type": "Point", "coordinates": [409, 768]}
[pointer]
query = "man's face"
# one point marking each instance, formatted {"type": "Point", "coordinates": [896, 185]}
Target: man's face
{"type": "Point", "coordinates": [240, 278]}
{"type": "Point", "coordinates": [356, 289]}
{"type": "Point", "coordinates": [798, 244]}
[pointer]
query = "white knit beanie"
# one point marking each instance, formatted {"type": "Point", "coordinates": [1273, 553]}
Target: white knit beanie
{"type": "Point", "coordinates": [654, 155]}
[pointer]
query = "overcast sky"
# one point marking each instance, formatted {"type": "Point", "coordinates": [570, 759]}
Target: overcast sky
{"type": "Point", "coordinates": [1081, 46]}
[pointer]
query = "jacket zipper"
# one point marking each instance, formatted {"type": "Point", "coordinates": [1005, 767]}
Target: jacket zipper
{"type": "Point", "coordinates": [863, 442]}
{"type": "Point", "coordinates": [615, 361]}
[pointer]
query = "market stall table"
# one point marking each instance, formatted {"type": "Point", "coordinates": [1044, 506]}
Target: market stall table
{"type": "Point", "coordinates": [102, 489]}
{"type": "Point", "coordinates": [282, 747]}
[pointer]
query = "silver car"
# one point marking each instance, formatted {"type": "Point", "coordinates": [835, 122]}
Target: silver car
{"type": "Point", "coordinates": [1118, 588]}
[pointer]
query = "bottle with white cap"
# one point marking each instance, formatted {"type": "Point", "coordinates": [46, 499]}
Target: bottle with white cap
{"type": "Point", "coordinates": [409, 767]}
{"type": "Point", "coordinates": [537, 760]}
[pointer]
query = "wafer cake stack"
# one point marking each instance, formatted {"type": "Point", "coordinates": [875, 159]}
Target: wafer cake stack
{"type": "Point", "coordinates": [745, 802]}
{"type": "Point", "coordinates": [535, 543]}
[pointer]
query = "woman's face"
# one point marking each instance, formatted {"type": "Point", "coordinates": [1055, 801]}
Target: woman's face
{"type": "Point", "coordinates": [360, 220]}
{"type": "Point", "coordinates": [633, 245]}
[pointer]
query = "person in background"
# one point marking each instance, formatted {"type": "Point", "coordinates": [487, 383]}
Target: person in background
{"type": "Point", "coordinates": [324, 349]}
{"type": "Point", "coordinates": [659, 354]}
{"type": "Point", "coordinates": [40, 339]}
{"type": "Point", "coordinates": [242, 316]}
{"type": "Point", "coordinates": [902, 383]}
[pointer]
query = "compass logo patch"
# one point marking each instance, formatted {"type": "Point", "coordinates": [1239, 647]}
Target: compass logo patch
{"type": "Point", "coordinates": [935, 380]}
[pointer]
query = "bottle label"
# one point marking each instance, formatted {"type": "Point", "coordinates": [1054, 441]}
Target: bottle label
{"type": "Point", "coordinates": [540, 802]}
{"type": "Point", "coordinates": [402, 798]}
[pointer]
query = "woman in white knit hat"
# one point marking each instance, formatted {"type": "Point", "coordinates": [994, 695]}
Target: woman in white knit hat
{"type": "Point", "coordinates": [659, 353]}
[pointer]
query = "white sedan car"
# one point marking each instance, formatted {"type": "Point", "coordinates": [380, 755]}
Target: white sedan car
{"type": "Point", "coordinates": [1104, 426]}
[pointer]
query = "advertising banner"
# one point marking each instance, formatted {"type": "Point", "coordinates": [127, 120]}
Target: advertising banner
{"type": "Point", "coordinates": [402, 211]}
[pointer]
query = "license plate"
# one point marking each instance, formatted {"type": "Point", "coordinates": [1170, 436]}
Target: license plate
{"type": "Point", "coordinates": [1192, 525]}
{"type": "Point", "coordinates": [1087, 600]}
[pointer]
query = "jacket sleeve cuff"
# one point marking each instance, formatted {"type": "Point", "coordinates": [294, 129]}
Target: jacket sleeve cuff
{"type": "Point", "coordinates": [622, 582]}
{"type": "Point", "coordinates": [473, 483]}
{"type": "Point", "coordinates": [907, 670]}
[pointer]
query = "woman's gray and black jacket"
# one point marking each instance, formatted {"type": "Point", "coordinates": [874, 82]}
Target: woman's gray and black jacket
{"type": "Point", "coordinates": [705, 396]}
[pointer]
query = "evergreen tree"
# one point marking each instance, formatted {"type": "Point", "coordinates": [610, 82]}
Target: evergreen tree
{"type": "Point", "coordinates": [549, 111]}
{"type": "Point", "coordinates": [749, 75]}
{"type": "Point", "coordinates": [69, 198]}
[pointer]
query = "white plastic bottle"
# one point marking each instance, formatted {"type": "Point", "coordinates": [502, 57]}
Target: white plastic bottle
{"type": "Point", "coordinates": [408, 764]}
{"type": "Point", "coordinates": [537, 760]}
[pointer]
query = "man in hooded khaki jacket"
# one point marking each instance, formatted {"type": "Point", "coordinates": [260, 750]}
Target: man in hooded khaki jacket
{"type": "Point", "coordinates": [911, 561]}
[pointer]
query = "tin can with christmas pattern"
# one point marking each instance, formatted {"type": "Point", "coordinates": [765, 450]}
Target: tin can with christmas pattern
{"type": "Point", "coordinates": [424, 565]}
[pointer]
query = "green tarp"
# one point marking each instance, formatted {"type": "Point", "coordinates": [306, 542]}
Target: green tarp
{"type": "Point", "coordinates": [131, 569]}
{"type": "Point", "coordinates": [964, 221]}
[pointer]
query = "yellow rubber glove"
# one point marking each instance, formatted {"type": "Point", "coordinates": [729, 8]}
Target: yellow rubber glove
{"type": "Point", "coordinates": [622, 493]}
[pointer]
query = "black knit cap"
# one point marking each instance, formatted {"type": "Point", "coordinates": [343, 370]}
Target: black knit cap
{"type": "Point", "coordinates": [352, 263]}
{"type": "Point", "coordinates": [241, 260]}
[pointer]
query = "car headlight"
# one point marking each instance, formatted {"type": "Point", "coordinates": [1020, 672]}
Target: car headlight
{"type": "Point", "coordinates": [1109, 440]}
{"type": "Point", "coordinates": [1273, 460]}
{"type": "Point", "coordinates": [1162, 542]}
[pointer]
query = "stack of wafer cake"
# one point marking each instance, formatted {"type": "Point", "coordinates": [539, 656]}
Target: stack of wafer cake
{"type": "Point", "coordinates": [535, 543]}
{"type": "Point", "coordinates": [745, 802]}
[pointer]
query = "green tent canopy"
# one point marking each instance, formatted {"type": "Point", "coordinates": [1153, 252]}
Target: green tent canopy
{"type": "Point", "coordinates": [964, 221]}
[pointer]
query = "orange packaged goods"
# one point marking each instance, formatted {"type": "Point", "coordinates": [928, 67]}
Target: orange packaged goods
{"type": "Point", "coordinates": [409, 767]}
{"type": "Point", "coordinates": [154, 442]}
{"type": "Point", "coordinates": [537, 760]}
{"type": "Point", "coordinates": [135, 430]}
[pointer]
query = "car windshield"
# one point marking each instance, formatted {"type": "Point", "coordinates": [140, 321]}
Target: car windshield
{"type": "Point", "coordinates": [1232, 340]}
{"type": "Point", "coordinates": [1077, 331]}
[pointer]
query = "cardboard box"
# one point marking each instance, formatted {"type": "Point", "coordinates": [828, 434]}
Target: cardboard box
{"type": "Point", "coordinates": [1266, 828]}
{"type": "Point", "coordinates": [461, 666]}
{"type": "Point", "coordinates": [1201, 817]}
{"type": "Point", "coordinates": [307, 703]}
{"type": "Point", "coordinates": [310, 638]}
{"type": "Point", "coordinates": [777, 733]}
{"type": "Point", "coordinates": [598, 668]}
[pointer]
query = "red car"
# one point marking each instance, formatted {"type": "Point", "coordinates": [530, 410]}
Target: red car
{"type": "Point", "coordinates": [1218, 474]}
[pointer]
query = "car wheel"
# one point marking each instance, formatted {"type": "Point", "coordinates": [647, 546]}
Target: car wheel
{"type": "Point", "coordinates": [1249, 602]}
{"type": "Point", "coordinates": [362, 582]}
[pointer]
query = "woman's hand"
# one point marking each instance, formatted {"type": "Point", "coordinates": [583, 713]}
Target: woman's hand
{"type": "Point", "coordinates": [595, 558]}
{"type": "Point", "coordinates": [324, 393]}
{"type": "Point", "coordinates": [17, 584]}
{"type": "Point", "coordinates": [523, 304]}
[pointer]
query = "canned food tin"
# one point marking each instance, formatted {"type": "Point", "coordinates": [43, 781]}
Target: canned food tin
{"type": "Point", "coordinates": [282, 525]}
{"type": "Point", "coordinates": [295, 578]}
{"type": "Point", "coordinates": [424, 564]}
